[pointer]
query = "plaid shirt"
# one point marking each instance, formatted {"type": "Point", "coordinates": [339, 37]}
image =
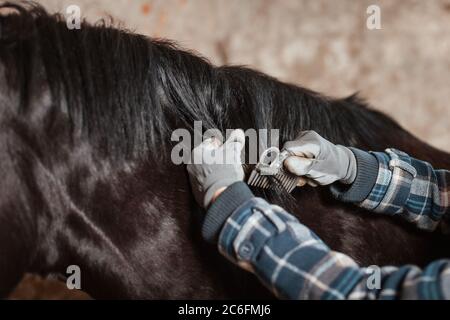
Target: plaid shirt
{"type": "Point", "coordinates": [295, 264]}
{"type": "Point", "coordinates": [409, 188]}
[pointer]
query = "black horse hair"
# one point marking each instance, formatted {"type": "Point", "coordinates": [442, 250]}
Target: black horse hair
{"type": "Point", "coordinates": [127, 92]}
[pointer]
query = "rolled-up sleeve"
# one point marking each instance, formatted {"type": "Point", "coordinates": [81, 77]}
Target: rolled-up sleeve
{"type": "Point", "coordinates": [394, 183]}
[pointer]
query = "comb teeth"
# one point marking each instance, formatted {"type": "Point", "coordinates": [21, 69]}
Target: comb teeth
{"type": "Point", "coordinates": [282, 179]}
{"type": "Point", "coordinates": [273, 168]}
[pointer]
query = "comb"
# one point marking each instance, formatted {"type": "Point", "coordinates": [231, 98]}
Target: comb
{"type": "Point", "coordinates": [269, 172]}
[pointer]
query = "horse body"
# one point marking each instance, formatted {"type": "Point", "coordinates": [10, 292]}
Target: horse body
{"type": "Point", "coordinates": [88, 181]}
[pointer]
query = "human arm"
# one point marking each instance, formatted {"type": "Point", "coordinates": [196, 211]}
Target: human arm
{"type": "Point", "coordinates": [388, 182]}
{"type": "Point", "coordinates": [292, 262]}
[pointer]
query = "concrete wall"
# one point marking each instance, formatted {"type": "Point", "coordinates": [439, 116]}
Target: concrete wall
{"type": "Point", "coordinates": [402, 69]}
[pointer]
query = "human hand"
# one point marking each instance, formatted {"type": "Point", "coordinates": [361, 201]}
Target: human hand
{"type": "Point", "coordinates": [219, 166]}
{"type": "Point", "coordinates": [319, 160]}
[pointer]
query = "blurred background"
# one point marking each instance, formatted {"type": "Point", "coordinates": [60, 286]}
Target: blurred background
{"type": "Point", "coordinates": [403, 69]}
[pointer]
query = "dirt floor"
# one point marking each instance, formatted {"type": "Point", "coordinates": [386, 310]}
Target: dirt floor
{"type": "Point", "coordinates": [402, 69]}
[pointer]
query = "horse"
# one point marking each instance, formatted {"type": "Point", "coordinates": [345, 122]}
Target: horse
{"type": "Point", "coordinates": [85, 139]}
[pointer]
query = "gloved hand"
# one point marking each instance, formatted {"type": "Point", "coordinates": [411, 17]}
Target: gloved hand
{"type": "Point", "coordinates": [219, 166]}
{"type": "Point", "coordinates": [319, 160]}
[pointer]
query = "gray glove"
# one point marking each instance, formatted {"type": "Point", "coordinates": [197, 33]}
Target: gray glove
{"type": "Point", "coordinates": [319, 160]}
{"type": "Point", "coordinates": [214, 166]}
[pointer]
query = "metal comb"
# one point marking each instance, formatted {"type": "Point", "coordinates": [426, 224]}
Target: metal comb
{"type": "Point", "coordinates": [269, 172]}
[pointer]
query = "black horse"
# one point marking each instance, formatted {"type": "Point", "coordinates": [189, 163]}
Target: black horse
{"type": "Point", "coordinates": [86, 178]}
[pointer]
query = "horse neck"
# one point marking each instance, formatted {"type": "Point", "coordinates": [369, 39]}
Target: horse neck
{"type": "Point", "coordinates": [123, 223]}
{"type": "Point", "coordinates": [18, 224]}
{"type": "Point", "coordinates": [45, 226]}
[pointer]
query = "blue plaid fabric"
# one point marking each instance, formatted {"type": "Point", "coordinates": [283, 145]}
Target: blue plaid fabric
{"type": "Point", "coordinates": [295, 264]}
{"type": "Point", "coordinates": [409, 188]}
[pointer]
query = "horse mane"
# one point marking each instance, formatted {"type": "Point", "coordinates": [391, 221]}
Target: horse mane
{"type": "Point", "coordinates": [127, 92]}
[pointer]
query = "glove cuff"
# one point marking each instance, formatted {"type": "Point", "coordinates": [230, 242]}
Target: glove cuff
{"type": "Point", "coordinates": [367, 173]}
{"type": "Point", "coordinates": [228, 201]}
{"type": "Point", "coordinates": [351, 170]}
{"type": "Point", "coordinates": [209, 194]}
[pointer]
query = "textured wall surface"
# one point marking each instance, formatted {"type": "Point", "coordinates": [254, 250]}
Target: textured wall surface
{"type": "Point", "coordinates": [402, 69]}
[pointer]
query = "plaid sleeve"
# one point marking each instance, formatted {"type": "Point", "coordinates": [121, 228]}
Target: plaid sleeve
{"type": "Point", "coordinates": [409, 188]}
{"type": "Point", "coordinates": [295, 264]}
